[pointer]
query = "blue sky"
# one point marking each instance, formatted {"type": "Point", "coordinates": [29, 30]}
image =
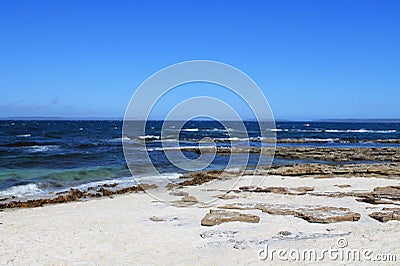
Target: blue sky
{"type": "Point", "coordinates": [312, 59]}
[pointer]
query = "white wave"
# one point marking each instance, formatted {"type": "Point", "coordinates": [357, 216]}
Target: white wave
{"type": "Point", "coordinates": [118, 139]}
{"type": "Point", "coordinates": [127, 181]}
{"type": "Point", "coordinates": [190, 129]}
{"type": "Point", "coordinates": [22, 191]}
{"type": "Point", "coordinates": [162, 178]}
{"type": "Point", "coordinates": [307, 130]}
{"type": "Point", "coordinates": [359, 131]}
{"type": "Point", "coordinates": [234, 139]}
{"type": "Point", "coordinates": [122, 182]}
{"type": "Point", "coordinates": [166, 139]}
{"type": "Point", "coordinates": [24, 135]}
{"type": "Point", "coordinates": [113, 140]}
{"type": "Point", "coordinates": [329, 140]}
{"type": "Point", "coordinates": [177, 148]}
{"type": "Point", "coordinates": [277, 129]}
{"type": "Point", "coordinates": [149, 137]}
{"type": "Point", "coordinates": [216, 130]}
{"type": "Point", "coordinates": [43, 148]}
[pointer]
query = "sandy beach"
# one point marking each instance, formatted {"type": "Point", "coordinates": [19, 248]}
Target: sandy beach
{"type": "Point", "coordinates": [137, 229]}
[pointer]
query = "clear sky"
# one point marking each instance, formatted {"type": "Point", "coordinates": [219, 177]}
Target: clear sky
{"type": "Point", "coordinates": [313, 59]}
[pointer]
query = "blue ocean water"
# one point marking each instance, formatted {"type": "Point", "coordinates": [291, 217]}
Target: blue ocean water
{"type": "Point", "coordinates": [39, 155]}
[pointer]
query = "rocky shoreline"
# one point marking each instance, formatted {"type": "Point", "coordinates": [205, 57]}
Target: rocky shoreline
{"type": "Point", "coordinates": [384, 154]}
{"type": "Point", "coordinates": [76, 195]}
{"type": "Point", "coordinates": [212, 212]}
{"type": "Point", "coordinates": [384, 195]}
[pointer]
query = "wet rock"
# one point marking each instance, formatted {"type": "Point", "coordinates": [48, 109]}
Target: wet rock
{"type": "Point", "coordinates": [339, 154]}
{"type": "Point", "coordinates": [198, 178]}
{"type": "Point", "coordinates": [390, 171]}
{"type": "Point", "coordinates": [110, 185]}
{"type": "Point", "coordinates": [388, 154]}
{"type": "Point", "coordinates": [216, 217]}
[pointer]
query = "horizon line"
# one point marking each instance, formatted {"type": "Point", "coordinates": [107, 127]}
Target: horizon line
{"type": "Point", "coordinates": [94, 118]}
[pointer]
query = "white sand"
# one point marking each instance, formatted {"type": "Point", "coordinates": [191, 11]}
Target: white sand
{"type": "Point", "coordinates": [119, 231]}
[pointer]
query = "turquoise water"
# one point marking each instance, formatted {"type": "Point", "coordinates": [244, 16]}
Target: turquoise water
{"type": "Point", "coordinates": [51, 155]}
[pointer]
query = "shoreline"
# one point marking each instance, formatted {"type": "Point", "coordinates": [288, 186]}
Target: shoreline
{"type": "Point", "coordinates": [41, 184]}
{"type": "Point", "coordinates": [311, 170]}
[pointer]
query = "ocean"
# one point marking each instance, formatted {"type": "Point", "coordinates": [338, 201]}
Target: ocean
{"type": "Point", "coordinates": [39, 156]}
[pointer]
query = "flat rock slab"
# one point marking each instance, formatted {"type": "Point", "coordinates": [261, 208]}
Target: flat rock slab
{"type": "Point", "coordinates": [279, 190]}
{"type": "Point", "coordinates": [216, 217]}
{"type": "Point", "coordinates": [388, 192]}
{"type": "Point", "coordinates": [387, 214]}
{"type": "Point", "coordinates": [312, 214]}
{"type": "Point", "coordinates": [381, 195]}
{"type": "Point", "coordinates": [383, 170]}
{"type": "Point", "coordinates": [327, 214]}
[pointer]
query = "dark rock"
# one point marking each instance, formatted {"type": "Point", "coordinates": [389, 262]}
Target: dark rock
{"type": "Point", "coordinates": [198, 178]}
{"type": "Point", "coordinates": [110, 185]}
